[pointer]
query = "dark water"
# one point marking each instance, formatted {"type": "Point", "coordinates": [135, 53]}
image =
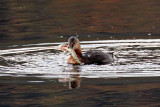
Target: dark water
{"type": "Point", "coordinates": [34, 73]}
{"type": "Point", "coordinates": [92, 92]}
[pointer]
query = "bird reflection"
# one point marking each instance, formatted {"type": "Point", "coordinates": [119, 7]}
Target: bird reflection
{"type": "Point", "coordinates": [73, 84]}
{"type": "Point", "coordinates": [74, 80]}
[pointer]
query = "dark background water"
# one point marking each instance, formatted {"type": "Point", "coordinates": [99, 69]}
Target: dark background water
{"type": "Point", "coordinates": [122, 92]}
{"type": "Point", "coordinates": [32, 20]}
{"type": "Point", "coordinates": [49, 21]}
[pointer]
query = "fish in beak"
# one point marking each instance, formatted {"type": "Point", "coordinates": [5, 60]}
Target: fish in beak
{"type": "Point", "coordinates": [71, 51]}
{"type": "Point", "coordinates": [74, 55]}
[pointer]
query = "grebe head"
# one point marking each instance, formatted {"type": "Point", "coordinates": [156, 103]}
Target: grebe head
{"type": "Point", "coordinates": [73, 43]}
{"type": "Point", "coordinates": [75, 50]}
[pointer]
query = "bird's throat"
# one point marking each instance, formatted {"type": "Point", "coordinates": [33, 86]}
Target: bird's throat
{"type": "Point", "coordinates": [75, 59]}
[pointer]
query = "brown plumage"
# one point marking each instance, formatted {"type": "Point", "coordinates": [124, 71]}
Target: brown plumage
{"type": "Point", "coordinates": [90, 57]}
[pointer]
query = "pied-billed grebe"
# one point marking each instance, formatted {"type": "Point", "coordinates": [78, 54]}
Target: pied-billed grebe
{"type": "Point", "coordinates": [90, 57]}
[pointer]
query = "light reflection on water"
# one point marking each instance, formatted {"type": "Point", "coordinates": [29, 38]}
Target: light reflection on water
{"type": "Point", "coordinates": [40, 76]}
{"type": "Point", "coordinates": [133, 58]}
{"type": "Point", "coordinates": [37, 75]}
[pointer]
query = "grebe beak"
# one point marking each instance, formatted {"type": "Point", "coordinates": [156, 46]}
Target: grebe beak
{"type": "Point", "coordinates": [70, 45]}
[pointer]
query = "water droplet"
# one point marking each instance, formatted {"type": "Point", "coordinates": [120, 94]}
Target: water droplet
{"type": "Point", "coordinates": [89, 55]}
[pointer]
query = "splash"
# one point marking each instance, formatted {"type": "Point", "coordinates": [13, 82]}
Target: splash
{"type": "Point", "coordinates": [134, 58]}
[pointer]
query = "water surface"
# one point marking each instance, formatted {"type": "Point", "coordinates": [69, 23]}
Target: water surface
{"type": "Point", "coordinates": [43, 77]}
{"type": "Point", "coordinates": [34, 72]}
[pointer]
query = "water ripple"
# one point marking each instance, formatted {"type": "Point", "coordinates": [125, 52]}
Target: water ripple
{"type": "Point", "coordinates": [134, 58]}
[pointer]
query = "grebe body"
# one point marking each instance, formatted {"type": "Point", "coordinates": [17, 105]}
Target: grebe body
{"type": "Point", "coordinates": [90, 57]}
